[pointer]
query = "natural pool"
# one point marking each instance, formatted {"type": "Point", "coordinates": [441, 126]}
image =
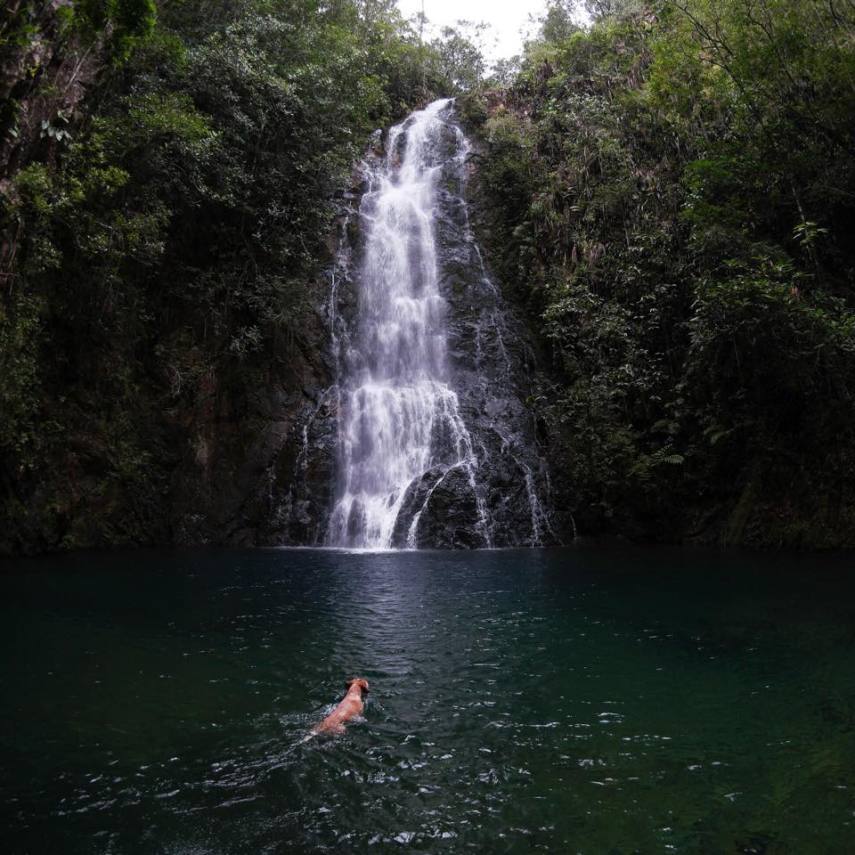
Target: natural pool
{"type": "Point", "coordinates": [594, 700]}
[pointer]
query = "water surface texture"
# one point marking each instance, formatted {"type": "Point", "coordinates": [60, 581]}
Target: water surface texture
{"type": "Point", "coordinates": [548, 700]}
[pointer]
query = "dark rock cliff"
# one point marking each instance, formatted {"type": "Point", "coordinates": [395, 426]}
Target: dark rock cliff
{"type": "Point", "coordinates": [494, 362]}
{"type": "Point", "coordinates": [255, 470]}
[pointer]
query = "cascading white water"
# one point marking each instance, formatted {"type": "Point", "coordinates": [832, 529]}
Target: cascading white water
{"type": "Point", "coordinates": [399, 415]}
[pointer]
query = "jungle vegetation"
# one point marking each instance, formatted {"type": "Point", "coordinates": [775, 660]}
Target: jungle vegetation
{"type": "Point", "coordinates": [668, 192]}
{"type": "Point", "coordinates": [672, 197]}
{"type": "Point", "coordinates": [169, 176]}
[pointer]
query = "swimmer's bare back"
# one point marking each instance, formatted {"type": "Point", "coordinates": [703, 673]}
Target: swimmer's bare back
{"type": "Point", "coordinates": [351, 705]}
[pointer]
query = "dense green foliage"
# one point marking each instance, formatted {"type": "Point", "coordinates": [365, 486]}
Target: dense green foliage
{"type": "Point", "coordinates": [673, 198]}
{"type": "Point", "coordinates": [163, 229]}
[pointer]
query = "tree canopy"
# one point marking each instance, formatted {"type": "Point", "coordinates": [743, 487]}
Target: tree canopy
{"type": "Point", "coordinates": [673, 194]}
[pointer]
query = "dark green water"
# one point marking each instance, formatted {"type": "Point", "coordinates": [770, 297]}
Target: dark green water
{"type": "Point", "coordinates": [590, 700]}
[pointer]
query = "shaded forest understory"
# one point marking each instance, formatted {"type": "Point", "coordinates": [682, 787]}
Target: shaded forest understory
{"type": "Point", "coordinates": [668, 195]}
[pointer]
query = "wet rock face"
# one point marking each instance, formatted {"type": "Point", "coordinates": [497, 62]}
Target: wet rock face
{"type": "Point", "coordinates": [440, 511]}
{"type": "Point", "coordinates": [260, 470]}
{"type": "Point", "coordinates": [493, 361]}
{"type": "Point", "coordinates": [305, 471]}
{"type": "Point", "coordinates": [301, 488]}
{"type": "Point", "coordinates": [450, 517]}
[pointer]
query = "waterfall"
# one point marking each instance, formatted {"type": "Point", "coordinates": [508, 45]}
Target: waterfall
{"type": "Point", "coordinates": [435, 443]}
{"type": "Point", "coordinates": [400, 417]}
